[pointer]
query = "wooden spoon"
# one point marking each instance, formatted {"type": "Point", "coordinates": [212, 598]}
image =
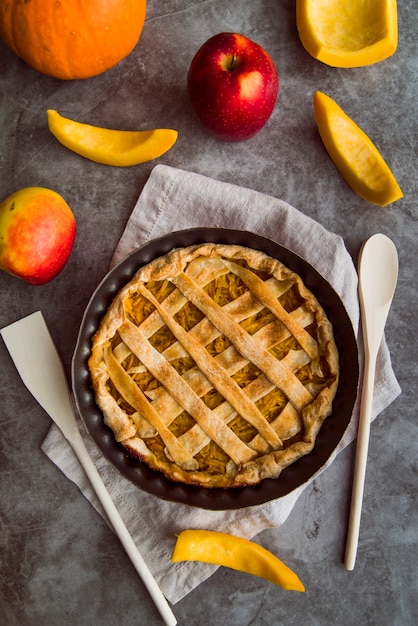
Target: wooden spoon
{"type": "Point", "coordinates": [378, 274]}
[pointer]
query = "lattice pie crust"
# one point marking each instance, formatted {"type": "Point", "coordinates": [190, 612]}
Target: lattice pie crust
{"type": "Point", "coordinates": [215, 365]}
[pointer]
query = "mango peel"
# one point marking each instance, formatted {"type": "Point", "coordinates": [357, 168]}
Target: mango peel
{"type": "Point", "coordinates": [121, 148]}
{"type": "Point", "coordinates": [236, 553]}
{"type": "Point", "coordinates": [354, 154]}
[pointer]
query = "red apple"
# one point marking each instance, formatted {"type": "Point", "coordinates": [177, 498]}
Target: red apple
{"type": "Point", "coordinates": [37, 232]}
{"type": "Point", "coordinates": [233, 86]}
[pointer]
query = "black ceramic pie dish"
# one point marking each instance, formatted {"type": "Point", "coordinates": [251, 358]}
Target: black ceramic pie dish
{"type": "Point", "coordinates": [217, 499]}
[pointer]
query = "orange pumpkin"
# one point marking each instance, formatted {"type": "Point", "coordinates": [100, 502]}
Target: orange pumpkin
{"type": "Point", "coordinates": [71, 39]}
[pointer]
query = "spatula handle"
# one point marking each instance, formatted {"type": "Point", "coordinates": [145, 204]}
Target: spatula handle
{"type": "Point", "coordinates": [121, 530]}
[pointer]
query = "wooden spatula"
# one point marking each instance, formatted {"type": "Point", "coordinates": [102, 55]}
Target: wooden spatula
{"type": "Point", "coordinates": [36, 358]}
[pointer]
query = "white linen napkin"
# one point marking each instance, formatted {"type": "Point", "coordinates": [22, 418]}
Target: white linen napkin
{"type": "Point", "coordinates": [172, 200]}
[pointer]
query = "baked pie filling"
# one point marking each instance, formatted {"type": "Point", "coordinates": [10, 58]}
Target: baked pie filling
{"type": "Point", "coordinates": [215, 365]}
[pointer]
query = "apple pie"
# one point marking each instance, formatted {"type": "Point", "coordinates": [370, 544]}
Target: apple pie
{"type": "Point", "coordinates": [215, 365]}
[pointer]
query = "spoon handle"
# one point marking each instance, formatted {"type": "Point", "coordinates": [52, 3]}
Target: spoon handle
{"type": "Point", "coordinates": [360, 461]}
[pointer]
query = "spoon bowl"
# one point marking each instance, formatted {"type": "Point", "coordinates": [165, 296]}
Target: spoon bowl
{"type": "Point", "coordinates": [378, 272]}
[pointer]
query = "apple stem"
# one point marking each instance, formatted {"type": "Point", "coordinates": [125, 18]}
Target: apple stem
{"type": "Point", "coordinates": [230, 62]}
{"type": "Point", "coordinates": [233, 63]}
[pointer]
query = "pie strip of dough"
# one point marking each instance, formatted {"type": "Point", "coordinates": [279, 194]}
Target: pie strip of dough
{"type": "Point", "coordinates": [240, 309]}
{"type": "Point", "coordinates": [268, 336]}
{"type": "Point", "coordinates": [219, 377]}
{"type": "Point", "coordinates": [216, 429]}
{"type": "Point", "coordinates": [202, 274]}
{"type": "Point", "coordinates": [274, 369]}
{"type": "Point", "coordinates": [204, 331]}
{"type": "Point", "coordinates": [135, 397]}
{"type": "Point", "coordinates": [195, 438]}
{"type": "Point", "coordinates": [261, 291]}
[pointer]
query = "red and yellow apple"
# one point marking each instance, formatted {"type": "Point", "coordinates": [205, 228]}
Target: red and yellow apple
{"type": "Point", "coordinates": [233, 86]}
{"type": "Point", "coordinates": [37, 232]}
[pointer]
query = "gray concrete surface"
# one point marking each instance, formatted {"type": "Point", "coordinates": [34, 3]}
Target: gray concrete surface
{"type": "Point", "coordinates": [59, 562]}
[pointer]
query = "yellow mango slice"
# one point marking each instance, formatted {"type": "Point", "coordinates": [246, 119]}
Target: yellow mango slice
{"type": "Point", "coordinates": [236, 553]}
{"type": "Point", "coordinates": [348, 33]}
{"type": "Point", "coordinates": [121, 148]}
{"type": "Point", "coordinates": [354, 154]}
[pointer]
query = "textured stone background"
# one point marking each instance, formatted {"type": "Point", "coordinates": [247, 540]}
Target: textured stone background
{"type": "Point", "coordinates": [59, 562]}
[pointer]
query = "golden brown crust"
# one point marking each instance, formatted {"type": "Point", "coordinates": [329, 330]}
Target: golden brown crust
{"type": "Point", "coordinates": [215, 365]}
